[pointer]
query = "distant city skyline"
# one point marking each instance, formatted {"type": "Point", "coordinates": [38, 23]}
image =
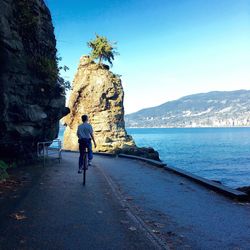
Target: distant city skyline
{"type": "Point", "coordinates": [168, 49]}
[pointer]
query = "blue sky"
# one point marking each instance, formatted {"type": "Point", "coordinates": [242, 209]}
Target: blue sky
{"type": "Point", "coordinates": [168, 48]}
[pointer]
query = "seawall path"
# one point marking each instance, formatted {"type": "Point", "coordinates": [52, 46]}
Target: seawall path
{"type": "Point", "coordinates": [126, 204]}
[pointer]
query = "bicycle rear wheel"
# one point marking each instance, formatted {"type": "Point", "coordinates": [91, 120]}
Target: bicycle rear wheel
{"type": "Point", "coordinates": [85, 165]}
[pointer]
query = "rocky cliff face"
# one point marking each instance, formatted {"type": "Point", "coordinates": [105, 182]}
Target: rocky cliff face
{"type": "Point", "coordinates": [98, 93]}
{"type": "Point", "coordinates": [31, 101]}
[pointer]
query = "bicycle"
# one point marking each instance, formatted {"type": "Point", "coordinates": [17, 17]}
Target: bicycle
{"type": "Point", "coordinates": [85, 165]}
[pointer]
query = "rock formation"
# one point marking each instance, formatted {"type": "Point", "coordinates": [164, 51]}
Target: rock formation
{"type": "Point", "coordinates": [31, 101]}
{"type": "Point", "coordinates": [246, 190]}
{"type": "Point", "coordinates": [98, 93]}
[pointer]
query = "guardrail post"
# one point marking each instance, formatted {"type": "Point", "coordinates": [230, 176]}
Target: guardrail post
{"type": "Point", "coordinates": [43, 149]}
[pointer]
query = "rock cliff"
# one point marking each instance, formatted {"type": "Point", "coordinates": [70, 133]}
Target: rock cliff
{"type": "Point", "coordinates": [99, 93]}
{"type": "Point", "coordinates": [31, 100]}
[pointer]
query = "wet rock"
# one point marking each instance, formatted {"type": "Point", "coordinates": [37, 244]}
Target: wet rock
{"type": "Point", "coordinates": [141, 152]}
{"type": "Point", "coordinates": [245, 189]}
{"type": "Point", "coordinates": [219, 182]}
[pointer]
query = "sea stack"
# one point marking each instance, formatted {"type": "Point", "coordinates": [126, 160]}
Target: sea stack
{"type": "Point", "coordinates": [98, 93]}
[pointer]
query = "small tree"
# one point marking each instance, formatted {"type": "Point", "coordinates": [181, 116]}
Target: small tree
{"type": "Point", "coordinates": [102, 49]}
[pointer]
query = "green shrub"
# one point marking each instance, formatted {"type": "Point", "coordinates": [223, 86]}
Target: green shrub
{"type": "Point", "coordinates": [3, 170]}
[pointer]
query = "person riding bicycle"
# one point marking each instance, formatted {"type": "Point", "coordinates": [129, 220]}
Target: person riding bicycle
{"type": "Point", "coordinates": [85, 134]}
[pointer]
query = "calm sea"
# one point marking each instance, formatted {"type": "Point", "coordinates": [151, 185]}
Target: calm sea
{"type": "Point", "coordinates": [221, 154]}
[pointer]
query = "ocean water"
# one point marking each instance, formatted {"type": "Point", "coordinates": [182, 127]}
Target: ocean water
{"type": "Point", "coordinates": [221, 154]}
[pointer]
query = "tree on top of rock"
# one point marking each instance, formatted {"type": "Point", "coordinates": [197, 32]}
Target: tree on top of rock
{"type": "Point", "coordinates": [102, 49]}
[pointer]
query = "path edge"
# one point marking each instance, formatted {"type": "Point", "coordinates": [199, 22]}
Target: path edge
{"type": "Point", "coordinates": [156, 241]}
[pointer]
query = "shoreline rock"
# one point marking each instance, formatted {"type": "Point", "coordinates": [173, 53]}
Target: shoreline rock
{"type": "Point", "coordinates": [144, 152]}
{"type": "Point", "coordinates": [245, 189]}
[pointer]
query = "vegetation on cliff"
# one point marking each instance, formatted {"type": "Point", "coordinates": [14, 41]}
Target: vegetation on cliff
{"type": "Point", "coordinates": [40, 63]}
{"type": "Point", "coordinates": [102, 49]}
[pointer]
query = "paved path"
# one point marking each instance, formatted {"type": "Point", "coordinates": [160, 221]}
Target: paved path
{"type": "Point", "coordinates": [190, 215]}
{"type": "Point", "coordinates": [62, 214]}
{"type": "Point", "coordinates": [122, 195]}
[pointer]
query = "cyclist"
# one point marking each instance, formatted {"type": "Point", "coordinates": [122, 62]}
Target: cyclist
{"type": "Point", "coordinates": [85, 134]}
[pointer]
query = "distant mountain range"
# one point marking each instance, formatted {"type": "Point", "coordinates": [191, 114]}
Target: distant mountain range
{"type": "Point", "coordinates": [213, 109]}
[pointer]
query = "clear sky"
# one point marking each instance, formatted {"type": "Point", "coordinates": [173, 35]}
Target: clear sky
{"type": "Point", "coordinates": [168, 48]}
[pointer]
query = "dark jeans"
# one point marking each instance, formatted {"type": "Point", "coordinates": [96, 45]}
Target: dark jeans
{"type": "Point", "coordinates": [83, 144]}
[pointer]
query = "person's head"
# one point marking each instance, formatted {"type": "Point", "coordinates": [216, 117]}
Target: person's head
{"type": "Point", "coordinates": [85, 118]}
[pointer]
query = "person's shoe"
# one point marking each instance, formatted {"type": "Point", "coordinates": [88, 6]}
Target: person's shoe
{"type": "Point", "coordinates": [89, 163]}
{"type": "Point", "coordinates": [79, 171]}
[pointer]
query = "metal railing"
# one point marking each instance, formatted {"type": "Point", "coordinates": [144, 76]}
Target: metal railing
{"type": "Point", "coordinates": [46, 149]}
